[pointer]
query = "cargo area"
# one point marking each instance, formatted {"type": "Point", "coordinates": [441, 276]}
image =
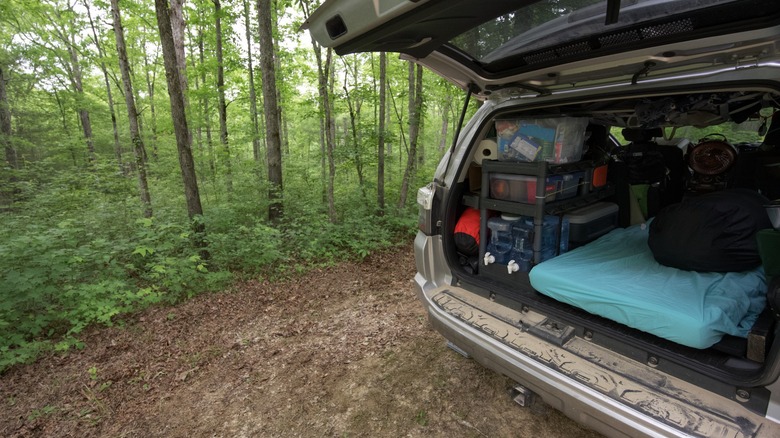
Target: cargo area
{"type": "Point", "coordinates": [552, 189]}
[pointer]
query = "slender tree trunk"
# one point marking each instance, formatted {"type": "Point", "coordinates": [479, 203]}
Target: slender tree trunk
{"type": "Point", "coordinates": [420, 146]}
{"type": "Point", "coordinates": [205, 105]}
{"type": "Point", "coordinates": [151, 76]}
{"type": "Point", "coordinates": [380, 173]}
{"type": "Point", "coordinates": [415, 108]}
{"type": "Point", "coordinates": [194, 67]}
{"type": "Point", "coordinates": [65, 127]}
{"type": "Point", "coordinates": [445, 123]}
{"type": "Point", "coordinates": [112, 111]}
{"type": "Point", "coordinates": [278, 65]}
{"type": "Point", "coordinates": [323, 161]}
{"type": "Point", "coordinates": [179, 117]}
{"type": "Point", "coordinates": [330, 133]}
{"type": "Point", "coordinates": [11, 158]}
{"type": "Point", "coordinates": [354, 131]}
{"type": "Point", "coordinates": [256, 148]}
{"type": "Point", "coordinates": [221, 105]}
{"type": "Point", "coordinates": [76, 82]}
{"type": "Point", "coordinates": [132, 114]}
{"type": "Point", "coordinates": [271, 107]}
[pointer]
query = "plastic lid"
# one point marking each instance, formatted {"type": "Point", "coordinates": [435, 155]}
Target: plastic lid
{"type": "Point", "coordinates": [510, 217]}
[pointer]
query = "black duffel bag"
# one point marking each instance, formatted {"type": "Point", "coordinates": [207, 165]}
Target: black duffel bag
{"type": "Point", "coordinates": [714, 232]}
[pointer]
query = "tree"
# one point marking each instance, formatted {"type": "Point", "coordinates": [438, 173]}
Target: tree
{"type": "Point", "coordinates": [62, 27]}
{"type": "Point", "coordinates": [252, 93]}
{"type": "Point", "coordinates": [415, 109]}
{"type": "Point", "coordinates": [150, 75]}
{"type": "Point", "coordinates": [5, 124]}
{"type": "Point", "coordinates": [271, 107]}
{"type": "Point", "coordinates": [179, 118]}
{"type": "Point", "coordinates": [178, 28]}
{"type": "Point", "coordinates": [204, 101]}
{"type": "Point", "coordinates": [221, 105]}
{"type": "Point", "coordinates": [380, 173]}
{"type": "Point", "coordinates": [132, 114]}
{"type": "Point", "coordinates": [328, 137]}
{"type": "Point", "coordinates": [354, 115]}
{"type": "Point", "coordinates": [109, 94]}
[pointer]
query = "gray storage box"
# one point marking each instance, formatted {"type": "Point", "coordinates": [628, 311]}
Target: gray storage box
{"type": "Point", "coordinates": [586, 224]}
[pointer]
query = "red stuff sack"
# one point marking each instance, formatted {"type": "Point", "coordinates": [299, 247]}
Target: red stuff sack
{"type": "Point", "coordinates": [467, 232]}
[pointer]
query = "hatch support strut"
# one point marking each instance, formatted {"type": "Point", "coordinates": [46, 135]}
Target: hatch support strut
{"type": "Point", "coordinates": [613, 11]}
{"type": "Point", "coordinates": [471, 89]}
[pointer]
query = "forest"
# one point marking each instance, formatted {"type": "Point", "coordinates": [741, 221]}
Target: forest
{"type": "Point", "coordinates": [157, 150]}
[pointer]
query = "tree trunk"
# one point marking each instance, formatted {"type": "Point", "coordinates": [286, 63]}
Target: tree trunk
{"type": "Point", "coordinates": [415, 109]}
{"type": "Point", "coordinates": [221, 105]}
{"type": "Point", "coordinates": [76, 82]}
{"type": "Point", "coordinates": [151, 76]}
{"type": "Point", "coordinates": [179, 118]}
{"type": "Point", "coordinates": [102, 55]}
{"type": "Point", "coordinates": [445, 122]}
{"type": "Point", "coordinates": [132, 114]}
{"type": "Point", "coordinates": [5, 124]}
{"type": "Point", "coordinates": [354, 110]}
{"type": "Point", "coordinates": [271, 107]}
{"type": "Point", "coordinates": [380, 173]}
{"type": "Point", "coordinates": [65, 127]}
{"type": "Point", "coordinates": [330, 133]}
{"type": "Point", "coordinates": [256, 148]}
{"type": "Point", "coordinates": [323, 162]}
{"type": "Point", "coordinates": [178, 29]}
{"type": "Point", "coordinates": [278, 65]}
{"type": "Point", "coordinates": [205, 105]}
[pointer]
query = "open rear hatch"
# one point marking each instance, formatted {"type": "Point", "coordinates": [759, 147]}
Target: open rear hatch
{"type": "Point", "coordinates": [539, 46]}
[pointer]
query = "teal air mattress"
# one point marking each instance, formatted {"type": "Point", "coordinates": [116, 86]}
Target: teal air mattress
{"type": "Point", "coordinates": [616, 277]}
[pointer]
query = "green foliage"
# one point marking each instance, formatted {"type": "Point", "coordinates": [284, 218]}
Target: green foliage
{"type": "Point", "coordinates": [74, 258]}
{"type": "Point", "coordinates": [76, 250]}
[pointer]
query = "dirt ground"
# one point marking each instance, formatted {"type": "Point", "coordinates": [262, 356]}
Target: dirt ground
{"type": "Point", "coordinates": [342, 351]}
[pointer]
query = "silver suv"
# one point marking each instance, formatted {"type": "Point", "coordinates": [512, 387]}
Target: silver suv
{"type": "Point", "coordinates": [603, 229]}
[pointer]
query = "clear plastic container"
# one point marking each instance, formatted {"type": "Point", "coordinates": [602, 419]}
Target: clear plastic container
{"type": "Point", "coordinates": [523, 247]}
{"type": "Point", "coordinates": [551, 229]}
{"type": "Point", "coordinates": [555, 140]}
{"type": "Point", "coordinates": [501, 242]}
{"type": "Point", "coordinates": [570, 184]}
{"type": "Point", "coordinates": [509, 187]}
{"type": "Point", "coordinates": [564, 246]}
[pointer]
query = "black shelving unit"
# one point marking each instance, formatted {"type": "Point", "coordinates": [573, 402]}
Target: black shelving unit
{"type": "Point", "coordinates": [538, 209]}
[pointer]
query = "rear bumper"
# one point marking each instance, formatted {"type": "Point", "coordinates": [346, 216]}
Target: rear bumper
{"type": "Point", "coordinates": [595, 387]}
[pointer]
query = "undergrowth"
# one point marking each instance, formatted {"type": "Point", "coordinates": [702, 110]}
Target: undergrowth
{"type": "Point", "coordinates": [75, 252]}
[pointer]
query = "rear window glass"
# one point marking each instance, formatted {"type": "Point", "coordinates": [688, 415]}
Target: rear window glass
{"type": "Point", "coordinates": [549, 23]}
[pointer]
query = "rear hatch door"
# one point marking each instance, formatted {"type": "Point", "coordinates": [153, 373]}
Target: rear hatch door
{"type": "Point", "coordinates": [545, 45]}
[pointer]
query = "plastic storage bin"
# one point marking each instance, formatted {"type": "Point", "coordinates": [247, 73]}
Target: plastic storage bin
{"type": "Point", "coordinates": [509, 187]}
{"type": "Point", "coordinates": [570, 184]}
{"type": "Point", "coordinates": [521, 188]}
{"type": "Point", "coordinates": [555, 140]}
{"type": "Point", "coordinates": [552, 187]}
{"type": "Point", "coordinates": [589, 223]}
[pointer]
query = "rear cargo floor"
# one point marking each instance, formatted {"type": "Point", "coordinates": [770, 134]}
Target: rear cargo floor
{"type": "Point", "coordinates": [623, 339]}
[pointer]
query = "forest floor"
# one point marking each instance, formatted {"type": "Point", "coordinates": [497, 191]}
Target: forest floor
{"type": "Point", "coordinates": [341, 351]}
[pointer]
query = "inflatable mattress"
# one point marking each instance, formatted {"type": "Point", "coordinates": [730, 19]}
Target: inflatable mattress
{"type": "Point", "coordinates": [616, 277]}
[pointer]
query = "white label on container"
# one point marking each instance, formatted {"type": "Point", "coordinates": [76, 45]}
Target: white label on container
{"type": "Point", "coordinates": [525, 148]}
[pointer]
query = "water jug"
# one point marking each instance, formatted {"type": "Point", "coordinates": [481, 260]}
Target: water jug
{"type": "Point", "coordinates": [551, 229]}
{"type": "Point", "coordinates": [499, 247]}
{"type": "Point", "coordinates": [523, 245]}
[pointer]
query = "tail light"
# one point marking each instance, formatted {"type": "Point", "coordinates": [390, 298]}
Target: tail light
{"type": "Point", "coordinates": [425, 197]}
